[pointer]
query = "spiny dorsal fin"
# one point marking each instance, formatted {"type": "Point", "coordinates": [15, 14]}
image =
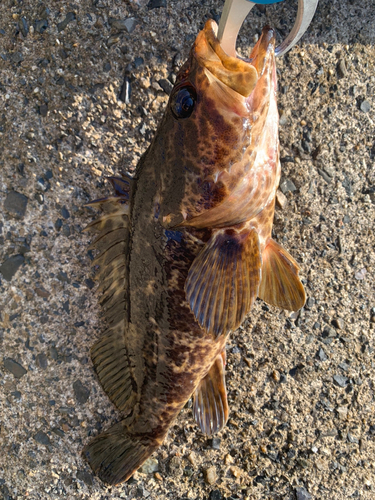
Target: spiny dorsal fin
{"type": "Point", "coordinates": [223, 280]}
{"type": "Point", "coordinates": [280, 285]}
{"type": "Point", "coordinates": [109, 354]}
{"type": "Point", "coordinates": [210, 407]}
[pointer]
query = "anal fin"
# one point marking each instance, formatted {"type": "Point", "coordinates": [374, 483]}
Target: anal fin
{"type": "Point", "coordinates": [223, 280]}
{"type": "Point", "coordinates": [210, 407]}
{"type": "Point", "coordinates": [109, 354]}
{"type": "Point", "coordinates": [280, 285]}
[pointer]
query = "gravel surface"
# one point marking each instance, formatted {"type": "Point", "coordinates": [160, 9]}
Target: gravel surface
{"type": "Point", "coordinates": [82, 87]}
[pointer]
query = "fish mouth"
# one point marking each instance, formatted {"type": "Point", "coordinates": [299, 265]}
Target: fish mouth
{"type": "Point", "coordinates": [239, 74]}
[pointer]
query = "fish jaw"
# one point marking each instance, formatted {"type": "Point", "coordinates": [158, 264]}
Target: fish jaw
{"type": "Point", "coordinates": [233, 72]}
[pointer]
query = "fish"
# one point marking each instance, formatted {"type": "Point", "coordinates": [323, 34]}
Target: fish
{"type": "Point", "coordinates": [184, 249]}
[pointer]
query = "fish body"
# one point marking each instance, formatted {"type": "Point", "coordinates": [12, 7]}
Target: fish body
{"type": "Point", "coordinates": [185, 248]}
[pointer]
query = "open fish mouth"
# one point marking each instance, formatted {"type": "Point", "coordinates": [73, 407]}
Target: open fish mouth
{"type": "Point", "coordinates": [238, 74]}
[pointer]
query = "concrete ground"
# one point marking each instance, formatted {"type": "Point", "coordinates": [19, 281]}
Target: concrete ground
{"type": "Point", "coordinates": [301, 386]}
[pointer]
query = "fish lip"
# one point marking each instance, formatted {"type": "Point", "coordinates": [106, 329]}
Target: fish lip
{"type": "Point", "coordinates": [263, 52]}
{"type": "Point", "coordinates": [239, 74]}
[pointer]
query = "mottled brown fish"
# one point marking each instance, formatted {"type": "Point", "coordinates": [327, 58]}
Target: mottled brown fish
{"type": "Point", "coordinates": [184, 250]}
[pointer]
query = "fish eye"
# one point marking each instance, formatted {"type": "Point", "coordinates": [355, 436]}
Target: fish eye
{"type": "Point", "coordinates": [183, 102]}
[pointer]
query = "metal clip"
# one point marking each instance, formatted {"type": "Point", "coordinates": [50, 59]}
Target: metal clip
{"type": "Point", "coordinates": [236, 11]}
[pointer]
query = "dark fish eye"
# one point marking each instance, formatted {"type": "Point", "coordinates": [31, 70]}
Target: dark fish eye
{"type": "Point", "coordinates": [183, 102]}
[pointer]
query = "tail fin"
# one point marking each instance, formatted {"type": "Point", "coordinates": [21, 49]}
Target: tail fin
{"type": "Point", "coordinates": [115, 455]}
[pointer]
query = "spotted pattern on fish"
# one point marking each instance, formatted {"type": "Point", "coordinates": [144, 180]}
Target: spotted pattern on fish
{"type": "Point", "coordinates": [185, 248]}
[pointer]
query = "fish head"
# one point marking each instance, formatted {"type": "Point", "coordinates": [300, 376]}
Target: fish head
{"type": "Point", "coordinates": [216, 105]}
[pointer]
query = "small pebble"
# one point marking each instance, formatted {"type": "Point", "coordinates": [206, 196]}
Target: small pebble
{"type": "Point", "coordinates": [281, 199]}
{"type": "Point", "coordinates": [43, 109]}
{"type": "Point", "coordinates": [41, 361]}
{"type": "Point", "coordinates": [42, 292]}
{"type": "Point", "coordinates": [216, 495]}
{"type": "Point", "coordinates": [68, 19]}
{"type": "Point", "coordinates": [142, 492]}
{"type": "Point", "coordinates": [325, 176]}
{"type": "Point", "coordinates": [17, 395]}
{"type": "Point", "coordinates": [365, 106]}
{"type": "Point", "coordinates": [15, 368]}
{"type": "Point", "coordinates": [125, 92]}
{"type": "Point", "coordinates": [41, 26]}
{"type": "Point", "coordinates": [155, 4]}
{"type": "Point", "coordinates": [125, 24]}
{"type": "Point", "coordinates": [65, 213]}
{"type": "Point", "coordinates": [310, 303]}
{"type": "Point", "coordinates": [305, 464]}
{"type": "Point", "coordinates": [10, 266]}
{"type": "Point", "coordinates": [215, 443]}
{"type": "Point", "coordinates": [322, 355]}
{"type": "Point", "coordinates": [166, 85]}
{"type": "Point", "coordinates": [338, 323]}
{"type": "Point", "coordinates": [284, 120]}
{"type": "Point", "coordinates": [24, 27]}
{"type": "Point", "coordinates": [286, 186]}
{"type": "Point", "coordinates": [174, 466]}
{"type": "Point", "coordinates": [236, 471]}
{"type": "Point", "coordinates": [340, 380]}
{"type": "Point", "coordinates": [151, 465]}
{"type": "Point", "coordinates": [329, 332]}
{"type": "Point", "coordinates": [360, 275]}
{"type": "Point", "coordinates": [177, 60]}
{"type": "Point", "coordinates": [42, 438]}
{"type": "Point", "coordinates": [352, 439]}
{"type": "Point", "coordinates": [302, 494]}
{"type": "Point", "coordinates": [90, 283]}
{"type": "Point", "coordinates": [192, 458]}
{"type": "Point", "coordinates": [81, 392]}
{"type": "Point", "coordinates": [85, 476]}
{"type": "Point", "coordinates": [138, 61]}
{"type": "Point", "coordinates": [16, 57]}
{"type": "Point", "coordinates": [113, 39]}
{"type": "Point", "coordinates": [210, 475]}
{"type": "Point", "coordinates": [16, 203]}
{"type": "Point", "coordinates": [62, 276]}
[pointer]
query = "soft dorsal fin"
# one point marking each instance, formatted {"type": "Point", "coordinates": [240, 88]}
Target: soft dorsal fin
{"type": "Point", "coordinates": [109, 354]}
{"type": "Point", "coordinates": [280, 285]}
{"type": "Point", "coordinates": [210, 407]}
{"type": "Point", "coordinates": [223, 280]}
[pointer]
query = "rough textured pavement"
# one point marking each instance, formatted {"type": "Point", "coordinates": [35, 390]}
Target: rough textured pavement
{"type": "Point", "coordinates": [301, 387]}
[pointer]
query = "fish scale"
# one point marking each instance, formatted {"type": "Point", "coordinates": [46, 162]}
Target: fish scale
{"type": "Point", "coordinates": [185, 248]}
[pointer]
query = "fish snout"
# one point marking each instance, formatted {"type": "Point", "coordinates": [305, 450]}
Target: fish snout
{"type": "Point", "coordinates": [263, 53]}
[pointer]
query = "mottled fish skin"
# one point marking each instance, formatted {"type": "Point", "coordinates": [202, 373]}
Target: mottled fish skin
{"type": "Point", "coordinates": [204, 192]}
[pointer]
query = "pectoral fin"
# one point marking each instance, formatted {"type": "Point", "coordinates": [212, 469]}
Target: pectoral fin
{"type": "Point", "coordinates": [210, 407]}
{"type": "Point", "coordinates": [280, 285]}
{"type": "Point", "coordinates": [223, 280]}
